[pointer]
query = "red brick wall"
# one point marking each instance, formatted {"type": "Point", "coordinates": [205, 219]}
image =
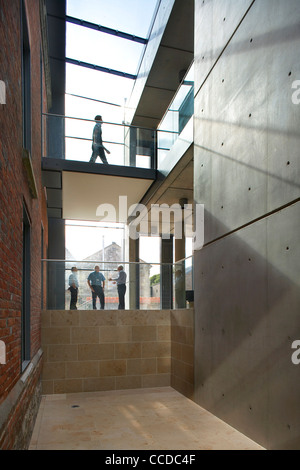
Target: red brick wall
{"type": "Point", "coordinates": [14, 188]}
{"type": "Point", "coordinates": [16, 434]}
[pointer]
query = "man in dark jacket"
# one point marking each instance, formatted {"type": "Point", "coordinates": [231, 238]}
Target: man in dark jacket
{"type": "Point", "coordinates": [98, 147]}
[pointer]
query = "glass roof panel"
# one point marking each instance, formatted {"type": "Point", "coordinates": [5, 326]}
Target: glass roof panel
{"type": "Point", "coordinates": [97, 85]}
{"type": "Point", "coordinates": [102, 49]}
{"type": "Point", "coordinates": [85, 109]}
{"type": "Point", "coordinates": [130, 16]}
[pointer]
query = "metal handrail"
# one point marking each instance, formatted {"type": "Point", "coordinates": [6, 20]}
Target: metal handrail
{"type": "Point", "coordinates": [106, 122]}
{"type": "Point", "coordinates": [117, 262]}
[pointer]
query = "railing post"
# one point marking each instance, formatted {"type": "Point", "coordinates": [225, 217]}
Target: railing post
{"type": "Point", "coordinates": [132, 146]}
{"type": "Point", "coordinates": [166, 275]}
{"type": "Point", "coordinates": [134, 275]}
{"type": "Point", "coordinates": [56, 271]}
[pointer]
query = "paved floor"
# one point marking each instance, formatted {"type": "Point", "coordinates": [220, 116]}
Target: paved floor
{"type": "Point", "coordinates": [148, 419]}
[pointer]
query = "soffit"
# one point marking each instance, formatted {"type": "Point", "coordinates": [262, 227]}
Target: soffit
{"type": "Point", "coordinates": [176, 53]}
{"type": "Point", "coordinates": [82, 194]}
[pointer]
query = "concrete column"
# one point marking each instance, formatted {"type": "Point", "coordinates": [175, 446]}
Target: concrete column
{"type": "Point", "coordinates": [132, 146]}
{"type": "Point", "coordinates": [57, 44]}
{"type": "Point", "coordinates": [134, 274]}
{"type": "Point", "coordinates": [166, 272]}
{"type": "Point", "coordinates": [56, 270]}
{"type": "Point", "coordinates": [180, 298]}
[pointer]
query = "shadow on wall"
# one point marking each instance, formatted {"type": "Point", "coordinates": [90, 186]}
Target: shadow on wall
{"type": "Point", "coordinates": [246, 319]}
{"type": "Point", "coordinates": [279, 36]}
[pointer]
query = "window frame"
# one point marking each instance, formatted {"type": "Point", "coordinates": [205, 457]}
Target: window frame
{"type": "Point", "coordinates": [26, 80]}
{"type": "Point", "coordinates": [26, 292]}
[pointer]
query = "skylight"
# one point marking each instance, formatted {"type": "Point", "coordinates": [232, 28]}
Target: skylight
{"type": "Point", "coordinates": [131, 16]}
{"type": "Point", "coordinates": [103, 49]}
{"type": "Point", "coordinates": [94, 58]}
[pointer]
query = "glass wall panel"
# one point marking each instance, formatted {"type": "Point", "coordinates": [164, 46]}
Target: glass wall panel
{"type": "Point", "coordinates": [94, 240]}
{"type": "Point", "coordinates": [150, 274]}
{"type": "Point", "coordinates": [88, 108]}
{"type": "Point", "coordinates": [97, 85]}
{"type": "Point", "coordinates": [150, 292]}
{"type": "Point", "coordinates": [177, 116]}
{"type": "Point", "coordinates": [123, 145]}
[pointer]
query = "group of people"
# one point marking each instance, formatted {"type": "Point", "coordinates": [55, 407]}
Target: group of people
{"type": "Point", "coordinates": [96, 282]}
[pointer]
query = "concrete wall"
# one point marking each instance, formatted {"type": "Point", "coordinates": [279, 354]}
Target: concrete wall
{"type": "Point", "coordinates": [247, 169]}
{"type": "Point", "coordinates": [182, 351]}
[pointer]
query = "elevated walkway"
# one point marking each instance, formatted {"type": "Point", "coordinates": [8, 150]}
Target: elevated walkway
{"type": "Point", "coordinates": [75, 189]}
{"type": "Point", "coordinates": [75, 186]}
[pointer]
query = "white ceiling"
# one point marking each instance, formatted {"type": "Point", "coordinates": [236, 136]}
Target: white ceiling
{"type": "Point", "coordinates": [83, 193]}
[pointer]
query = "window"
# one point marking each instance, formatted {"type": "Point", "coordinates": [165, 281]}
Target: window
{"type": "Point", "coordinates": [25, 319]}
{"type": "Point", "coordinates": [26, 82]}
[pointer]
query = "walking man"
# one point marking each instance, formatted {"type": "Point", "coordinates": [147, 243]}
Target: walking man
{"type": "Point", "coordinates": [96, 282]}
{"type": "Point", "coordinates": [121, 284]}
{"type": "Point", "coordinates": [98, 147]}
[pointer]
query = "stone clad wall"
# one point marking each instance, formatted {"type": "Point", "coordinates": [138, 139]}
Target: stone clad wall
{"type": "Point", "coordinates": [88, 351]}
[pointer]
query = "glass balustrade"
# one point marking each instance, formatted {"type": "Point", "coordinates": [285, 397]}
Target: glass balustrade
{"type": "Point", "coordinates": [148, 286]}
{"type": "Point", "coordinates": [176, 118]}
{"type": "Point", "coordinates": [71, 138]}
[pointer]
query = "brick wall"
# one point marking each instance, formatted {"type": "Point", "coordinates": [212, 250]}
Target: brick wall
{"type": "Point", "coordinates": [18, 412]}
{"type": "Point", "coordinates": [15, 192]}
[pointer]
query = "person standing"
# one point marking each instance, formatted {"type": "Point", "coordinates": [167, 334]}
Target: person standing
{"type": "Point", "coordinates": [97, 146]}
{"type": "Point", "coordinates": [73, 288]}
{"type": "Point", "coordinates": [121, 284]}
{"type": "Point", "coordinates": [96, 282]}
